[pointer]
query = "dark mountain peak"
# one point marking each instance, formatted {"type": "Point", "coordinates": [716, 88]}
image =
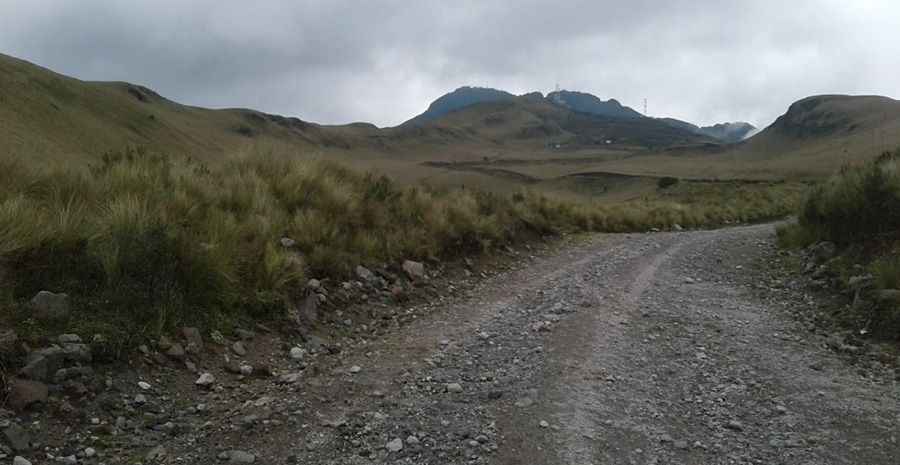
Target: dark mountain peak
{"type": "Point", "coordinates": [460, 98]}
{"type": "Point", "coordinates": [583, 102]}
{"type": "Point", "coordinates": [729, 132]}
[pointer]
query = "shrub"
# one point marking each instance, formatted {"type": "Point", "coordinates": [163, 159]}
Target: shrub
{"type": "Point", "coordinates": [666, 182]}
{"type": "Point", "coordinates": [858, 204]}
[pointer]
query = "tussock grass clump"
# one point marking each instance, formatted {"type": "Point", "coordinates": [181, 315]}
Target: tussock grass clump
{"type": "Point", "coordinates": [859, 204]}
{"type": "Point", "coordinates": [859, 210]}
{"type": "Point", "coordinates": [145, 243]}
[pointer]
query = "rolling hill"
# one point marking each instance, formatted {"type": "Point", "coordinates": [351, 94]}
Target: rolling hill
{"type": "Point", "coordinates": [49, 116]}
{"type": "Point", "coordinates": [44, 114]}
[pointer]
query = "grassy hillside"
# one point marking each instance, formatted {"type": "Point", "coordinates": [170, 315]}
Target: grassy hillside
{"type": "Point", "coordinates": [47, 115]}
{"type": "Point", "coordinates": [51, 116]}
{"type": "Point", "coordinates": [815, 138]}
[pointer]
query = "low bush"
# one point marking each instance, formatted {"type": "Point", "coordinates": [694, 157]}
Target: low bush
{"type": "Point", "coordinates": [859, 210]}
{"type": "Point", "coordinates": [145, 243]}
{"type": "Point", "coordinates": [666, 182]}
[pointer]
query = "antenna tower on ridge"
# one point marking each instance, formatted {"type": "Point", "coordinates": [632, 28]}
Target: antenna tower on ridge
{"type": "Point", "coordinates": [645, 107]}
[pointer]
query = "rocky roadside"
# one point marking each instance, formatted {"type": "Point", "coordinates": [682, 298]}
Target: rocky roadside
{"type": "Point", "coordinates": [688, 347]}
{"type": "Point", "coordinates": [63, 407]}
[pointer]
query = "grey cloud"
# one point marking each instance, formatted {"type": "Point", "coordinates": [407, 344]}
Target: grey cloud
{"type": "Point", "coordinates": [384, 61]}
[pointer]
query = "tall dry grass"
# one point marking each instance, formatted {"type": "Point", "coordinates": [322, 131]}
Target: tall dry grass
{"type": "Point", "coordinates": [144, 243]}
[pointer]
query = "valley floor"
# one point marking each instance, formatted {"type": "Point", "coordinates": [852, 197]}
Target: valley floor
{"type": "Point", "coordinates": [676, 348]}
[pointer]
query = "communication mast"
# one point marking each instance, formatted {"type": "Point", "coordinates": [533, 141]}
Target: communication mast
{"type": "Point", "coordinates": [645, 107]}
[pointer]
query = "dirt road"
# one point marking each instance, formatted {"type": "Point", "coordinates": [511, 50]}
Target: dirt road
{"type": "Point", "coordinates": [643, 349]}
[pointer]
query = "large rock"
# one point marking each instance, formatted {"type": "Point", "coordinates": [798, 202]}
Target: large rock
{"type": "Point", "coordinates": [17, 438]}
{"type": "Point", "coordinates": [308, 311]}
{"type": "Point", "coordinates": [42, 363]}
{"type": "Point", "coordinates": [856, 283]}
{"type": "Point", "coordinates": [25, 393]}
{"type": "Point", "coordinates": [414, 270]}
{"type": "Point", "coordinates": [194, 340]}
{"type": "Point", "coordinates": [364, 274]}
{"type": "Point", "coordinates": [49, 306]}
{"type": "Point", "coordinates": [176, 351]}
{"type": "Point", "coordinates": [823, 251]}
{"type": "Point", "coordinates": [206, 380]}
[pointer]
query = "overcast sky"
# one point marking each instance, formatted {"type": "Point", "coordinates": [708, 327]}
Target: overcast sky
{"type": "Point", "coordinates": [383, 61]}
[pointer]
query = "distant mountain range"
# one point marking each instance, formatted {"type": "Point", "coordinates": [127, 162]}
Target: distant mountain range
{"type": "Point", "coordinates": [46, 115]}
{"type": "Point", "coordinates": [725, 132]}
{"type": "Point", "coordinates": [580, 102]}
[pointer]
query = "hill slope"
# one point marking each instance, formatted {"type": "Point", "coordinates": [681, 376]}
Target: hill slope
{"type": "Point", "coordinates": [815, 137]}
{"type": "Point", "coordinates": [47, 115]}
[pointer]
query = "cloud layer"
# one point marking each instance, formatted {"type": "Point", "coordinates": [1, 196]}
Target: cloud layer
{"type": "Point", "coordinates": [383, 61]}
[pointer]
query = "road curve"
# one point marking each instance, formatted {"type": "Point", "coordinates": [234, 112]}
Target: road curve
{"type": "Point", "coordinates": [667, 348]}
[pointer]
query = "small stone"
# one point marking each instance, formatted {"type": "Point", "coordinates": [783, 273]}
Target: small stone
{"type": "Point", "coordinates": [544, 424]}
{"type": "Point", "coordinates": [355, 369]}
{"type": "Point", "coordinates": [314, 284]}
{"type": "Point", "coordinates": [239, 456]}
{"type": "Point", "coordinates": [194, 339]}
{"type": "Point", "coordinates": [395, 446]}
{"type": "Point", "coordinates": [290, 378]}
{"type": "Point", "coordinates": [287, 242]}
{"type": "Point", "coordinates": [140, 399]}
{"type": "Point", "coordinates": [144, 385]}
{"type": "Point", "coordinates": [681, 444]}
{"type": "Point", "coordinates": [246, 370]}
{"type": "Point", "coordinates": [90, 452]}
{"type": "Point", "coordinates": [297, 353]}
{"type": "Point", "coordinates": [18, 460]}
{"type": "Point", "coordinates": [205, 380]}
{"type": "Point", "coordinates": [735, 425]}
{"type": "Point", "coordinates": [239, 348]}
{"type": "Point", "coordinates": [364, 274]}
{"type": "Point", "coordinates": [414, 270]}
{"type": "Point", "coordinates": [781, 409]}
{"type": "Point", "coordinates": [156, 454]}
{"type": "Point", "coordinates": [176, 351]}
{"type": "Point", "coordinates": [412, 440]}
{"type": "Point", "coordinates": [69, 339]}
{"type": "Point", "coordinates": [454, 387]}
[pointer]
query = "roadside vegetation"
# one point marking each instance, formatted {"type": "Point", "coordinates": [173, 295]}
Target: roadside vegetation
{"type": "Point", "coordinates": [144, 243]}
{"type": "Point", "coordinates": [858, 210]}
